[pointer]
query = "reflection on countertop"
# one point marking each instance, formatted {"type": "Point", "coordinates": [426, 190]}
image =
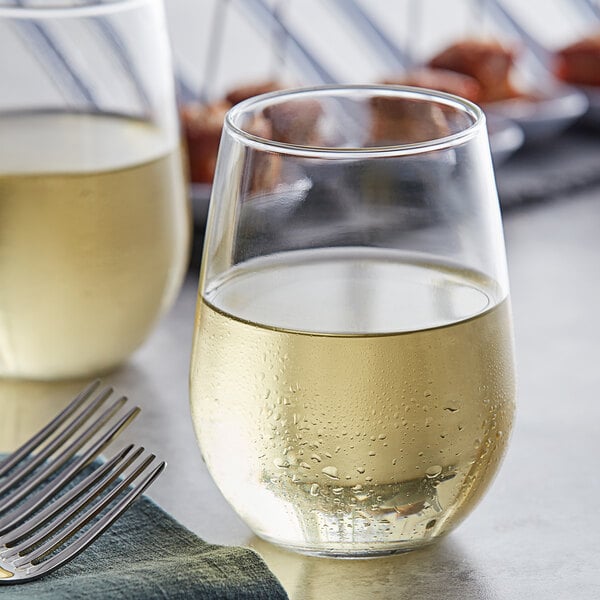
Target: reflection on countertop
{"type": "Point", "coordinates": [442, 570]}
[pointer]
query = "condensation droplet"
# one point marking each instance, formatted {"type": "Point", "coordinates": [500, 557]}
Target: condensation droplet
{"type": "Point", "coordinates": [314, 489]}
{"type": "Point", "coordinates": [331, 472]}
{"type": "Point", "coordinates": [433, 471]}
{"type": "Point", "coordinates": [281, 463]}
{"type": "Point", "coordinates": [372, 453]}
{"type": "Point", "coordinates": [315, 457]}
{"type": "Point", "coordinates": [361, 470]}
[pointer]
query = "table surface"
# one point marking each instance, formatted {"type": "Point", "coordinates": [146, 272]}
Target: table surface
{"type": "Point", "coordinates": [534, 535]}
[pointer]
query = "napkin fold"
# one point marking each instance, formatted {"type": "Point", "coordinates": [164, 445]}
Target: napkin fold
{"type": "Point", "coordinates": [148, 555]}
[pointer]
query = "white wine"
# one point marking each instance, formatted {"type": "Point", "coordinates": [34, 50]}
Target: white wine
{"type": "Point", "coordinates": [352, 400]}
{"type": "Point", "coordinates": [94, 235]}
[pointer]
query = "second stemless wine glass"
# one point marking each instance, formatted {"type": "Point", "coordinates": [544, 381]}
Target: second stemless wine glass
{"type": "Point", "coordinates": [94, 221]}
{"type": "Point", "coordinates": [352, 381]}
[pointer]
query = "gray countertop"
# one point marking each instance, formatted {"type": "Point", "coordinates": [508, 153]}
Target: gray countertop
{"type": "Point", "coordinates": [534, 535]}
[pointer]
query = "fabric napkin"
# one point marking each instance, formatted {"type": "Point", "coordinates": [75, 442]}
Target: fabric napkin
{"type": "Point", "coordinates": [148, 555]}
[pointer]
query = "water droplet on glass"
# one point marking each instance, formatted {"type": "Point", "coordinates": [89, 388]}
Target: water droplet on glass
{"type": "Point", "coordinates": [433, 471]}
{"type": "Point", "coordinates": [314, 489]}
{"type": "Point", "coordinates": [372, 453]}
{"type": "Point", "coordinates": [361, 470]}
{"type": "Point", "coordinates": [331, 472]}
{"type": "Point", "coordinates": [451, 409]}
{"type": "Point", "coordinates": [316, 458]}
{"type": "Point", "coordinates": [430, 524]}
{"type": "Point", "coordinates": [281, 463]}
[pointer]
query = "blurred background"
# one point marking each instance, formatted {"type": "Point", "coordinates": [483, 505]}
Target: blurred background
{"type": "Point", "coordinates": [534, 67]}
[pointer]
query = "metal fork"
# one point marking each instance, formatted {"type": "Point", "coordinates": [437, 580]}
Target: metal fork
{"type": "Point", "coordinates": [39, 514]}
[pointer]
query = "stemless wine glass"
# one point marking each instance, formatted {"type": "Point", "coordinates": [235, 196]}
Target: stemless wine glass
{"type": "Point", "coordinates": [352, 381]}
{"type": "Point", "coordinates": [94, 221]}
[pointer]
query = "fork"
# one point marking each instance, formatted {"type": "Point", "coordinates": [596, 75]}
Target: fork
{"type": "Point", "coordinates": [39, 514]}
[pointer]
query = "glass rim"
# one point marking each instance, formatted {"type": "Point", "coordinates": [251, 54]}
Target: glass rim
{"type": "Point", "coordinates": [439, 143]}
{"type": "Point", "coordinates": [61, 9]}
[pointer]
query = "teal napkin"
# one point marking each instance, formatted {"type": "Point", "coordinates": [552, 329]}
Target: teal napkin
{"type": "Point", "coordinates": [147, 554]}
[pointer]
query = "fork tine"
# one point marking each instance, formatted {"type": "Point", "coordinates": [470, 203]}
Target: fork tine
{"type": "Point", "coordinates": [41, 436]}
{"type": "Point", "coordinates": [27, 508]}
{"type": "Point", "coordinates": [99, 528]}
{"type": "Point", "coordinates": [95, 484]}
{"type": "Point", "coordinates": [33, 503]}
{"type": "Point", "coordinates": [28, 486]}
{"type": "Point", "coordinates": [93, 511]}
{"type": "Point", "coordinates": [56, 443]}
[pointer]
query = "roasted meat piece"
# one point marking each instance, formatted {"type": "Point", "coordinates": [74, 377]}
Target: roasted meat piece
{"type": "Point", "coordinates": [295, 122]}
{"type": "Point", "coordinates": [247, 91]}
{"type": "Point", "coordinates": [405, 122]}
{"type": "Point", "coordinates": [486, 61]}
{"type": "Point", "coordinates": [202, 125]}
{"type": "Point", "coordinates": [579, 63]}
{"type": "Point", "coordinates": [443, 80]}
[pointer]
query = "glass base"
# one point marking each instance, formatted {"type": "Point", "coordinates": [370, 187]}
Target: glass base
{"type": "Point", "coordinates": [351, 550]}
